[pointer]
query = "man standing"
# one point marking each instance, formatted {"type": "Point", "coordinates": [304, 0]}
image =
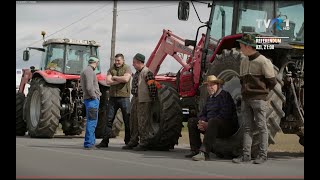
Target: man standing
{"type": "Point", "coordinates": [257, 79]}
{"type": "Point", "coordinates": [91, 96]}
{"type": "Point", "coordinates": [144, 91]}
{"type": "Point", "coordinates": [217, 119]}
{"type": "Point", "coordinates": [118, 77]}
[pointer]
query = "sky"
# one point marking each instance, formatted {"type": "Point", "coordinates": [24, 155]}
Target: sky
{"type": "Point", "coordinates": [138, 29]}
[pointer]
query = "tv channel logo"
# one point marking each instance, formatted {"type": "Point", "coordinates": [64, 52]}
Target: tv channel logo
{"type": "Point", "coordinates": [277, 21]}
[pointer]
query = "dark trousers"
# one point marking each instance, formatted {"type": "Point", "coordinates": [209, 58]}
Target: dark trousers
{"type": "Point", "coordinates": [114, 104]}
{"type": "Point", "coordinates": [140, 122]}
{"type": "Point", "coordinates": [134, 122]}
{"type": "Point", "coordinates": [217, 128]}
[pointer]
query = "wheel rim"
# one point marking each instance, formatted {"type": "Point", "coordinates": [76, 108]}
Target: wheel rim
{"type": "Point", "coordinates": [35, 108]}
{"type": "Point", "coordinates": [232, 85]}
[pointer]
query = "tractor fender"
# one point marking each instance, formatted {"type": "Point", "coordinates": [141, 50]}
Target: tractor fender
{"type": "Point", "coordinates": [51, 77]}
{"type": "Point", "coordinates": [102, 79]}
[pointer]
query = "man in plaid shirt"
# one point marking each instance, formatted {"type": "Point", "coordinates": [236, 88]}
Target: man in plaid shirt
{"type": "Point", "coordinates": [149, 78]}
{"type": "Point", "coordinates": [144, 91]}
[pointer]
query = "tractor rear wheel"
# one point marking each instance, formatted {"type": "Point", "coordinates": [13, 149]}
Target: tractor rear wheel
{"type": "Point", "coordinates": [116, 127]}
{"type": "Point", "coordinates": [71, 129]}
{"type": "Point", "coordinates": [117, 124]}
{"type": "Point", "coordinates": [167, 119]}
{"type": "Point", "coordinates": [42, 109]}
{"type": "Point", "coordinates": [226, 66]}
{"type": "Point", "coordinates": [102, 117]}
{"type": "Point", "coordinates": [21, 126]}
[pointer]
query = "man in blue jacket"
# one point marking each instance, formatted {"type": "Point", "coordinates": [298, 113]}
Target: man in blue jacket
{"type": "Point", "coordinates": [217, 119]}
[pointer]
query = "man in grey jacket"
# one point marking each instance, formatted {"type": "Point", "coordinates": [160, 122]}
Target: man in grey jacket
{"type": "Point", "coordinates": [91, 96]}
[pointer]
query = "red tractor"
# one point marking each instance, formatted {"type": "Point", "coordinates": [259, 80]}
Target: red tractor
{"type": "Point", "coordinates": [55, 95]}
{"type": "Point", "coordinates": [182, 94]}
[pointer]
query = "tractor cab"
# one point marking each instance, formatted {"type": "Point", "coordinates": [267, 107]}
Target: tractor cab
{"type": "Point", "coordinates": [67, 56]}
{"type": "Point", "coordinates": [284, 19]}
{"type": "Point", "coordinates": [273, 18]}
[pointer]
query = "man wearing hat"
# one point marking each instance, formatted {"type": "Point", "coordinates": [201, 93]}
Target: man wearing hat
{"type": "Point", "coordinates": [91, 96]}
{"type": "Point", "coordinates": [144, 91]}
{"type": "Point", "coordinates": [118, 77]}
{"type": "Point", "coordinates": [257, 79]}
{"type": "Point", "coordinates": [218, 119]}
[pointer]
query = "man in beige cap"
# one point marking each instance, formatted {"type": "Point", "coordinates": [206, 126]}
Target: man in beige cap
{"type": "Point", "coordinates": [218, 119]}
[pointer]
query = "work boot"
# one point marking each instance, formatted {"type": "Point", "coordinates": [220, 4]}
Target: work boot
{"type": "Point", "coordinates": [202, 156]}
{"type": "Point", "coordinates": [140, 148]}
{"type": "Point", "coordinates": [191, 154]}
{"type": "Point", "coordinates": [103, 144]}
{"type": "Point", "coordinates": [129, 146]}
{"type": "Point", "coordinates": [242, 159]}
{"type": "Point", "coordinates": [260, 160]}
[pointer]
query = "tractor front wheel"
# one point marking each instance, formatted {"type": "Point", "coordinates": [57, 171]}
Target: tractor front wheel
{"type": "Point", "coordinates": [21, 126]}
{"type": "Point", "coordinates": [42, 109]}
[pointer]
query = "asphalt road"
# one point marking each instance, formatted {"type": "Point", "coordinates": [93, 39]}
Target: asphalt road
{"type": "Point", "coordinates": [64, 157]}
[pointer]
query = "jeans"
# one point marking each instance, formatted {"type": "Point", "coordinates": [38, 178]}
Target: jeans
{"type": "Point", "coordinates": [92, 107]}
{"type": "Point", "coordinates": [116, 103]}
{"type": "Point", "coordinates": [254, 114]}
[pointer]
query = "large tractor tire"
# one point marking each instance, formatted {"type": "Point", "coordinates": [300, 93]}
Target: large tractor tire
{"type": "Point", "coordinates": [102, 117]}
{"type": "Point", "coordinates": [226, 66]}
{"type": "Point", "coordinates": [116, 127]}
{"type": "Point", "coordinates": [42, 109]}
{"type": "Point", "coordinates": [71, 129]}
{"type": "Point", "coordinates": [167, 119]}
{"type": "Point", "coordinates": [21, 126]}
{"type": "Point", "coordinates": [117, 124]}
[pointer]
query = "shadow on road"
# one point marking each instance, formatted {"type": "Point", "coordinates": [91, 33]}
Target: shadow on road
{"type": "Point", "coordinates": [285, 155]}
{"type": "Point", "coordinates": [178, 152]}
{"type": "Point", "coordinates": [68, 137]}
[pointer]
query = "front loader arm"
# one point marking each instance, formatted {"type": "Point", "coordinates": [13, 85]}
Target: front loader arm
{"type": "Point", "coordinates": [169, 44]}
{"type": "Point", "coordinates": [26, 76]}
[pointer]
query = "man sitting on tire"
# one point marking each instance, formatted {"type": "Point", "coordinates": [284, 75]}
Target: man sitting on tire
{"type": "Point", "coordinates": [218, 119]}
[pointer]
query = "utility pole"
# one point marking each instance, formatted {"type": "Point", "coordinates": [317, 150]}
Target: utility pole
{"type": "Point", "coordinates": [113, 39]}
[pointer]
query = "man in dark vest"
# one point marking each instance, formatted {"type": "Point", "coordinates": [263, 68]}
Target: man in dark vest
{"type": "Point", "coordinates": [118, 77]}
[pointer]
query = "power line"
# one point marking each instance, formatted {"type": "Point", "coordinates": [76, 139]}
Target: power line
{"type": "Point", "coordinates": [125, 10]}
{"type": "Point", "coordinates": [68, 25]}
{"type": "Point", "coordinates": [76, 32]}
{"type": "Point", "coordinates": [144, 8]}
{"type": "Point", "coordinates": [91, 23]}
